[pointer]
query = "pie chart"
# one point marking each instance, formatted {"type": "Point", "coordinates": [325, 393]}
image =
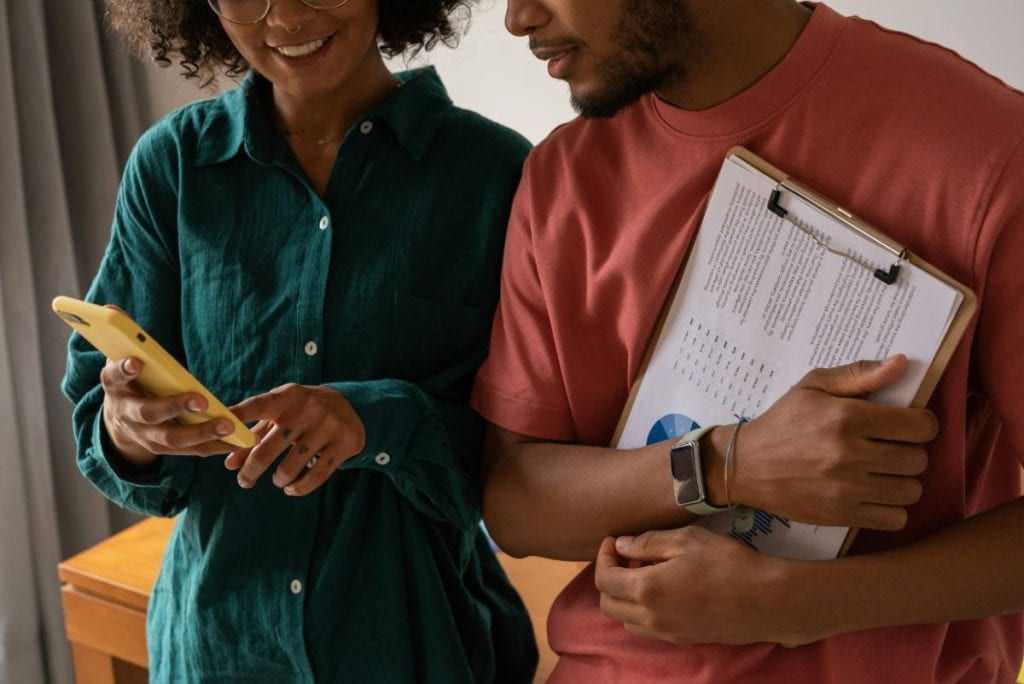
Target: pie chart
{"type": "Point", "coordinates": [671, 426]}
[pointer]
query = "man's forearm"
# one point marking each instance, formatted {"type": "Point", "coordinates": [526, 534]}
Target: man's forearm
{"type": "Point", "coordinates": [968, 571]}
{"type": "Point", "coordinates": [561, 500]}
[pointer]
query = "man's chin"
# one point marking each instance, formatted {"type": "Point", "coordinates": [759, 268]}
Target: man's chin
{"type": "Point", "coordinates": [614, 94]}
{"type": "Point", "coordinates": [601, 107]}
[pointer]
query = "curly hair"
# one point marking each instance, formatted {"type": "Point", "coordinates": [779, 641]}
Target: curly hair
{"type": "Point", "coordinates": [188, 32]}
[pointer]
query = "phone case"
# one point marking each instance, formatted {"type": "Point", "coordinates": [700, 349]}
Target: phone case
{"type": "Point", "coordinates": [118, 336]}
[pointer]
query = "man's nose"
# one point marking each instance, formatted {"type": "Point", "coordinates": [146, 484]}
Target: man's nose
{"type": "Point", "coordinates": [523, 17]}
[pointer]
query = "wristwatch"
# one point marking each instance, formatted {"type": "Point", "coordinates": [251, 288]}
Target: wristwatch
{"type": "Point", "coordinates": [688, 474]}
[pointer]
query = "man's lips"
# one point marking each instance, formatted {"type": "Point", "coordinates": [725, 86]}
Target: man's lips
{"type": "Point", "coordinates": [558, 56]}
{"type": "Point", "coordinates": [546, 52]}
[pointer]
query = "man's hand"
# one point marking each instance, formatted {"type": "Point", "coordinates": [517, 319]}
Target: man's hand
{"type": "Point", "coordinates": [823, 455]}
{"type": "Point", "coordinates": [691, 585]}
{"type": "Point", "coordinates": [318, 425]}
{"type": "Point", "coordinates": [143, 427]}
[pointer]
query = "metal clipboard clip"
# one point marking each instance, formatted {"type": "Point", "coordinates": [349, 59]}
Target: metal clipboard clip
{"type": "Point", "coordinates": [846, 218]}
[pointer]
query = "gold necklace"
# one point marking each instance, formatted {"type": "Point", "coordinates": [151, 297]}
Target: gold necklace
{"type": "Point", "coordinates": [319, 142]}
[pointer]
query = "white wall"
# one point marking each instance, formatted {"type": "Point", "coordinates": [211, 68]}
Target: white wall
{"type": "Point", "coordinates": [493, 73]}
{"type": "Point", "coordinates": [989, 33]}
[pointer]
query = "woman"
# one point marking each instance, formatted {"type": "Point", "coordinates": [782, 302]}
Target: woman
{"type": "Point", "coordinates": [320, 245]}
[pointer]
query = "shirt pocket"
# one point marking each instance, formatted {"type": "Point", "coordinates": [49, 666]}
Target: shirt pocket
{"type": "Point", "coordinates": [439, 343]}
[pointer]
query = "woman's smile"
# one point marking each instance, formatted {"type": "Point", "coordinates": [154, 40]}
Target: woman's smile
{"type": "Point", "coordinates": [304, 49]}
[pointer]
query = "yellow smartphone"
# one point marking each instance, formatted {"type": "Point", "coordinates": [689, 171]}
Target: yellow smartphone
{"type": "Point", "coordinates": [118, 337]}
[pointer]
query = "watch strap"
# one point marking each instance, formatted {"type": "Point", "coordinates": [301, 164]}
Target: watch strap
{"type": "Point", "coordinates": [694, 435]}
{"type": "Point", "coordinates": [703, 508]}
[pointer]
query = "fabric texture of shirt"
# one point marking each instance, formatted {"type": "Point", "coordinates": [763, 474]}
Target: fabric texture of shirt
{"type": "Point", "coordinates": [905, 133]}
{"type": "Point", "coordinates": [384, 290]}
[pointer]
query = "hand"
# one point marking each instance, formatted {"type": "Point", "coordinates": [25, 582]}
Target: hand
{"type": "Point", "coordinates": [824, 456]}
{"type": "Point", "coordinates": [143, 427]}
{"type": "Point", "coordinates": [691, 585]}
{"type": "Point", "coordinates": [319, 426]}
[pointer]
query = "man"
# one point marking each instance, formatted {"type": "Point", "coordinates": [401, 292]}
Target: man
{"type": "Point", "coordinates": [907, 134]}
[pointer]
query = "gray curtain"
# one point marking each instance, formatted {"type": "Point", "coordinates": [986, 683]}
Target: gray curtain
{"type": "Point", "coordinates": [71, 104]}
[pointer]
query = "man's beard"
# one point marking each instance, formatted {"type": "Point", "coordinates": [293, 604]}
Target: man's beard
{"type": "Point", "coordinates": [653, 35]}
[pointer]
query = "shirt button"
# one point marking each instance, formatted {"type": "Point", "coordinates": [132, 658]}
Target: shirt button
{"type": "Point", "coordinates": [310, 348]}
{"type": "Point", "coordinates": [296, 586]}
{"type": "Point", "coordinates": [324, 222]}
{"type": "Point", "coordinates": [366, 127]}
{"type": "Point", "coordinates": [382, 459]}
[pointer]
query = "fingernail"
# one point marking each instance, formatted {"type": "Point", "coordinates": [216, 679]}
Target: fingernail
{"type": "Point", "coordinates": [194, 405]}
{"type": "Point", "coordinates": [623, 542]}
{"type": "Point", "coordinates": [290, 491]}
{"type": "Point", "coordinates": [223, 428]}
{"type": "Point", "coordinates": [279, 479]}
{"type": "Point", "coordinates": [128, 366]}
{"type": "Point", "coordinates": [244, 484]}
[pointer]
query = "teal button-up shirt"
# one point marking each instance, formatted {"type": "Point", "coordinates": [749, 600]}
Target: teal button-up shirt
{"type": "Point", "coordinates": [383, 289]}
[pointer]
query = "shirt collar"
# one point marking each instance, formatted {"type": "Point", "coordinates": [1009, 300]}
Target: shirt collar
{"type": "Point", "coordinates": [222, 134]}
{"type": "Point", "coordinates": [414, 113]}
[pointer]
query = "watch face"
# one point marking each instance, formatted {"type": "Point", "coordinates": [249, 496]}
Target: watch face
{"type": "Point", "coordinates": [682, 462]}
{"type": "Point", "coordinates": [684, 471]}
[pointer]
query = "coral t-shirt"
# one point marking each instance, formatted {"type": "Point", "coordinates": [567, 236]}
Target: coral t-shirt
{"type": "Point", "coordinates": [905, 133]}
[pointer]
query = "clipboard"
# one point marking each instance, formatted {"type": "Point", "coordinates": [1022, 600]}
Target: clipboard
{"type": "Point", "coordinates": [891, 263]}
{"type": "Point", "coordinates": [901, 255]}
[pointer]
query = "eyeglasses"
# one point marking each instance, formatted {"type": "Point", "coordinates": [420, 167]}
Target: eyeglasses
{"type": "Point", "coordinates": [253, 11]}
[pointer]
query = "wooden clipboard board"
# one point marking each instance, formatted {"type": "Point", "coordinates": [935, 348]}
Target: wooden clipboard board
{"type": "Point", "coordinates": [786, 184]}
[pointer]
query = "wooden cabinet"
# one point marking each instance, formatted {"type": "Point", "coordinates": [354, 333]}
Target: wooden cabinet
{"type": "Point", "coordinates": [105, 592]}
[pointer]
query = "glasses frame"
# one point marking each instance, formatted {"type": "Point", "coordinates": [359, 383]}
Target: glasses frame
{"type": "Point", "coordinates": [307, 3]}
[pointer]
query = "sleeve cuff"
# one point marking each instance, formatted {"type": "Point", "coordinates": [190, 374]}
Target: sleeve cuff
{"type": "Point", "coordinates": [522, 416]}
{"type": "Point", "coordinates": [430, 452]}
{"type": "Point", "coordinates": [160, 492]}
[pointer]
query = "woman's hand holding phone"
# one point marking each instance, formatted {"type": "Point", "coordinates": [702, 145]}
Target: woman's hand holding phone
{"type": "Point", "coordinates": [159, 409]}
{"type": "Point", "coordinates": [142, 427]}
{"type": "Point", "coordinates": [153, 406]}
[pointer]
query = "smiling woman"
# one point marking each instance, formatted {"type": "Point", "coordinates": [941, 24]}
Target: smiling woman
{"type": "Point", "coordinates": [185, 29]}
{"type": "Point", "coordinates": [305, 48]}
{"type": "Point", "coordinates": [320, 246]}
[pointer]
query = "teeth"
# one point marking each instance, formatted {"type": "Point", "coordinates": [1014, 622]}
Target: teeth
{"type": "Point", "coordinates": [301, 50]}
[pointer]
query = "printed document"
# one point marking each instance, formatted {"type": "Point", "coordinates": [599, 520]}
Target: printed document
{"type": "Point", "coordinates": [760, 303]}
